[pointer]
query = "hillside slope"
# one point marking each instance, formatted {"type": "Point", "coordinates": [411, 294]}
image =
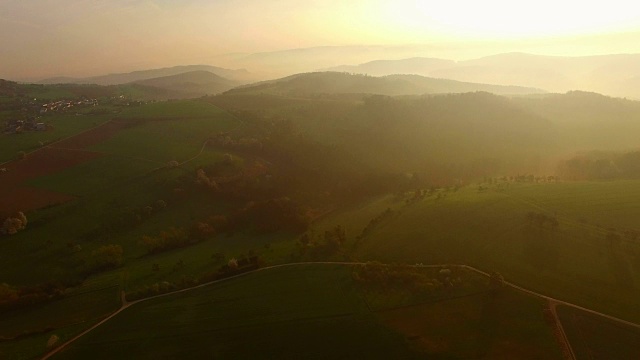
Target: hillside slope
{"type": "Point", "coordinates": [191, 84]}
{"type": "Point", "coordinates": [392, 85]}
{"type": "Point", "coordinates": [123, 78]}
{"type": "Point", "coordinates": [417, 66]}
{"type": "Point", "coordinates": [614, 75]}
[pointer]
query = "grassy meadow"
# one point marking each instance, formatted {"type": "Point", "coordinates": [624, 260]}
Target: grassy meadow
{"type": "Point", "coordinates": [306, 311]}
{"type": "Point", "coordinates": [488, 229]}
{"type": "Point", "coordinates": [63, 126]}
{"type": "Point", "coordinates": [593, 337]}
{"type": "Point", "coordinates": [316, 311]}
{"type": "Point", "coordinates": [172, 131]}
{"type": "Point", "coordinates": [509, 326]}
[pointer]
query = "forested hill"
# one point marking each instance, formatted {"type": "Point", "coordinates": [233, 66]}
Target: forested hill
{"type": "Point", "coordinates": [463, 135]}
{"type": "Point", "coordinates": [589, 121]}
{"type": "Point", "coordinates": [466, 133]}
{"type": "Point", "coordinates": [447, 136]}
{"type": "Point", "coordinates": [191, 84]}
{"type": "Point", "coordinates": [124, 78]}
{"type": "Point", "coordinates": [392, 85]}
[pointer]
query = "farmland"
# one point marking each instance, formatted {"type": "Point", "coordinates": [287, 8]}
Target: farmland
{"type": "Point", "coordinates": [99, 188]}
{"type": "Point", "coordinates": [489, 229]}
{"type": "Point", "coordinates": [32, 327]}
{"type": "Point", "coordinates": [109, 181]}
{"type": "Point", "coordinates": [63, 127]}
{"type": "Point", "coordinates": [298, 303]}
{"type": "Point", "coordinates": [469, 327]}
{"type": "Point", "coordinates": [165, 196]}
{"type": "Point", "coordinates": [592, 337]}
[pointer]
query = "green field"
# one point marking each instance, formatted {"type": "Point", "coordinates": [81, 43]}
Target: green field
{"type": "Point", "coordinates": [301, 312]}
{"type": "Point", "coordinates": [488, 229]}
{"type": "Point", "coordinates": [165, 137]}
{"type": "Point", "coordinates": [62, 238]}
{"type": "Point", "coordinates": [46, 245]}
{"type": "Point", "coordinates": [509, 326]}
{"type": "Point", "coordinates": [314, 311]}
{"type": "Point", "coordinates": [64, 318]}
{"type": "Point", "coordinates": [602, 204]}
{"type": "Point", "coordinates": [171, 110]}
{"type": "Point", "coordinates": [63, 127]}
{"type": "Point", "coordinates": [112, 186]}
{"type": "Point", "coordinates": [98, 175]}
{"type": "Point", "coordinates": [47, 92]}
{"type": "Point", "coordinates": [594, 337]}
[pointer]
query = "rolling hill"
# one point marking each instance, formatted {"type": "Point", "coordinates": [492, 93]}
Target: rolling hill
{"type": "Point", "coordinates": [614, 75]}
{"type": "Point", "coordinates": [392, 85]}
{"type": "Point", "coordinates": [182, 188]}
{"type": "Point", "coordinates": [190, 84]}
{"type": "Point", "coordinates": [417, 66]}
{"type": "Point", "coordinates": [122, 78]}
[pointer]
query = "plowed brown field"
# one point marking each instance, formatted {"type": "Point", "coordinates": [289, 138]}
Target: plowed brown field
{"type": "Point", "coordinates": [16, 195]}
{"type": "Point", "coordinates": [95, 135]}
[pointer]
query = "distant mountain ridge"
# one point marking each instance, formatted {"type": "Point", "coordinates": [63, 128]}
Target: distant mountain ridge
{"type": "Point", "coordinates": [614, 75]}
{"type": "Point", "coordinates": [391, 85]}
{"type": "Point", "coordinates": [240, 76]}
{"type": "Point", "coordinates": [417, 66]}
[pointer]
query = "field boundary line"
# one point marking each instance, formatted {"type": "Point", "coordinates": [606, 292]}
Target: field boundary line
{"type": "Point", "coordinates": [566, 344]}
{"type": "Point", "coordinates": [59, 140]}
{"type": "Point", "coordinates": [126, 304]}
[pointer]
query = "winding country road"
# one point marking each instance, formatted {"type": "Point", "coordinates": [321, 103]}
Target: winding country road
{"type": "Point", "coordinates": [125, 304]}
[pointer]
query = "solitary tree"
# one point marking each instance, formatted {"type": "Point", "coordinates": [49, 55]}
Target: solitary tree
{"type": "Point", "coordinates": [14, 224]}
{"type": "Point", "coordinates": [52, 340]}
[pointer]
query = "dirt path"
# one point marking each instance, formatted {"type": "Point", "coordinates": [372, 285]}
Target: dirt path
{"type": "Point", "coordinates": [567, 349]}
{"type": "Point", "coordinates": [204, 145]}
{"type": "Point", "coordinates": [552, 302]}
{"type": "Point", "coordinates": [559, 302]}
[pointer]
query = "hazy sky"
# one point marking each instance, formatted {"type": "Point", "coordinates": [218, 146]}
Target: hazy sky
{"type": "Point", "coordinates": [40, 38]}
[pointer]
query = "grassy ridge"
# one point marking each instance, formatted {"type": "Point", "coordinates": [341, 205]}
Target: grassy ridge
{"type": "Point", "coordinates": [604, 204]}
{"type": "Point", "coordinates": [489, 230]}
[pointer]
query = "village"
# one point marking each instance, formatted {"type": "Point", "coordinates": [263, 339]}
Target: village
{"type": "Point", "coordinates": [32, 121]}
{"type": "Point", "coordinates": [66, 105]}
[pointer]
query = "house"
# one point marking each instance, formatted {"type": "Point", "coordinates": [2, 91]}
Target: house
{"type": "Point", "coordinates": [41, 127]}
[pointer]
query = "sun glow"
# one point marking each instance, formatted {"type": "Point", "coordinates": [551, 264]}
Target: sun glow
{"type": "Point", "coordinates": [500, 19]}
